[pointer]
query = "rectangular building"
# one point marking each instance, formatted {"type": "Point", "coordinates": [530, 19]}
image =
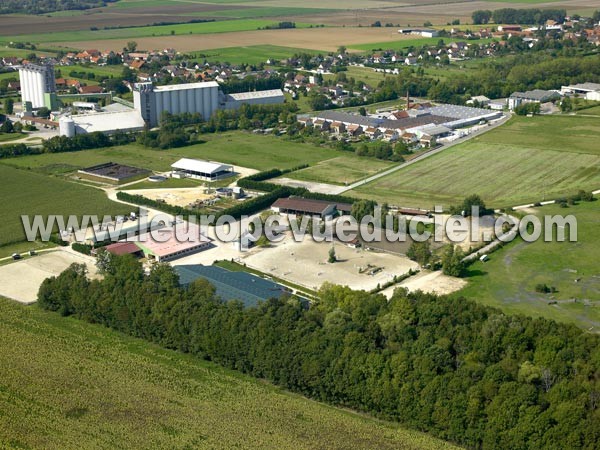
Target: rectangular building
{"type": "Point", "coordinates": [151, 101]}
{"type": "Point", "coordinates": [36, 81]}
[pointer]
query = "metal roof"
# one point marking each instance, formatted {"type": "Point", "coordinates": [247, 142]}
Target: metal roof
{"type": "Point", "coordinates": [109, 121]}
{"type": "Point", "coordinates": [537, 95]}
{"type": "Point", "coordinates": [585, 87]}
{"type": "Point", "coordinates": [185, 86]}
{"type": "Point", "coordinates": [309, 205]}
{"type": "Point", "coordinates": [257, 94]}
{"type": "Point", "coordinates": [200, 166]}
{"type": "Point", "coordinates": [243, 286]}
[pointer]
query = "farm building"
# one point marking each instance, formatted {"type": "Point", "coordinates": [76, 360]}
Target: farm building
{"type": "Point", "coordinates": [242, 286]}
{"type": "Point", "coordinates": [167, 244]}
{"type": "Point", "coordinates": [124, 248]}
{"type": "Point", "coordinates": [305, 206]}
{"type": "Point", "coordinates": [201, 170]}
{"type": "Point", "coordinates": [113, 173]}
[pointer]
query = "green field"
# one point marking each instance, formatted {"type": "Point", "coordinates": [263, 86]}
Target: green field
{"type": "Point", "coordinates": [340, 170]}
{"type": "Point", "coordinates": [526, 160]}
{"type": "Point", "coordinates": [70, 384]}
{"type": "Point", "coordinates": [238, 148]}
{"type": "Point", "coordinates": [267, 11]}
{"type": "Point", "coordinates": [225, 26]}
{"type": "Point", "coordinates": [7, 137]}
{"type": "Point", "coordinates": [30, 193]}
{"type": "Point", "coordinates": [508, 279]}
{"type": "Point", "coordinates": [253, 54]}
{"type": "Point", "coordinates": [595, 111]}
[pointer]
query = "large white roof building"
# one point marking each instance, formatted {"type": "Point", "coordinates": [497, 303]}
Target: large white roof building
{"type": "Point", "coordinates": [203, 170]}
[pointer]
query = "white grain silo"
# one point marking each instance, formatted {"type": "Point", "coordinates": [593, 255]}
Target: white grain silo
{"type": "Point", "coordinates": [35, 82]}
{"type": "Point", "coordinates": [66, 127]}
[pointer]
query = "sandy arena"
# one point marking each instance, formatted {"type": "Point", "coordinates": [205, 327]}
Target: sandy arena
{"type": "Point", "coordinates": [21, 280]}
{"type": "Point", "coordinates": [305, 263]}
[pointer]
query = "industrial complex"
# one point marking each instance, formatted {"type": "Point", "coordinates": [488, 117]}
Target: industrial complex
{"type": "Point", "coordinates": [38, 90]}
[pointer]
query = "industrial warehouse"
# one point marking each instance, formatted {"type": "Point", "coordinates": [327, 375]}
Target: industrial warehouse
{"type": "Point", "coordinates": [38, 90]}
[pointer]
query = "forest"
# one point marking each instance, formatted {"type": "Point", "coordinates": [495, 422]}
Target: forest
{"type": "Point", "coordinates": [449, 366]}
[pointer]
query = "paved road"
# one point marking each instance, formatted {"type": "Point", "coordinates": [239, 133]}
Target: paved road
{"type": "Point", "coordinates": [421, 157]}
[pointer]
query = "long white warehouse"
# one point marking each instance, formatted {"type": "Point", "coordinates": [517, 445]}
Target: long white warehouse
{"type": "Point", "coordinates": [152, 100]}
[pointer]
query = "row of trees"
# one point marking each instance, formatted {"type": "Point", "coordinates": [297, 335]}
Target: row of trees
{"type": "Point", "coordinates": [459, 370]}
{"type": "Point", "coordinates": [518, 16]}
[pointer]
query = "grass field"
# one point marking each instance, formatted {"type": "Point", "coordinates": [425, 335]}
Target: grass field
{"type": "Point", "coordinates": [70, 384]}
{"type": "Point", "coordinates": [526, 160]}
{"type": "Point", "coordinates": [595, 111]}
{"type": "Point", "coordinates": [32, 193]}
{"type": "Point", "coordinates": [226, 26]}
{"type": "Point", "coordinates": [508, 279]}
{"type": "Point", "coordinates": [238, 148]}
{"type": "Point", "coordinates": [266, 11]}
{"type": "Point", "coordinates": [7, 137]}
{"type": "Point", "coordinates": [252, 54]}
{"type": "Point", "coordinates": [340, 170]}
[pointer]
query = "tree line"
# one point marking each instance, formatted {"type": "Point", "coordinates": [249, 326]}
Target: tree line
{"type": "Point", "coordinates": [459, 370]}
{"type": "Point", "coordinates": [527, 16]}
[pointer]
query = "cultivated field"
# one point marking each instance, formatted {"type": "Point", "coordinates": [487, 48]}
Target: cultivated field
{"type": "Point", "coordinates": [253, 54]}
{"type": "Point", "coordinates": [526, 160]}
{"type": "Point", "coordinates": [509, 278]}
{"type": "Point", "coordinates": [28, 193]}
{"type": "Point", "coordinates": [54, 369]}
{"type": "Point", "coordinates": [322, 39]}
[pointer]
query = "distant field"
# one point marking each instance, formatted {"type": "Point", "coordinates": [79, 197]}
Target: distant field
{"type": "Point", "coordinates": [508, 279]}
{"type": "Point", "coordinates": [268, 11]}
{"type": "Point", "coordinates": [253, 54]}
{"type": "Point", "coordinates": [340, 170]}
{"type": "Point", "coordinates": [526, 160]}
{"type": "Point", "coordinates": [70, 384]}
{"type": "Point", "coordinates": [32, 193]}
{"type": "Point", "coordinates": [238, 148]}
{"type": "Point", "coordinates": [226, 26]}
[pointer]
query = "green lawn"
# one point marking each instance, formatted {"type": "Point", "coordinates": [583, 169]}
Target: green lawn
{"type": "Point", "coordinates": [238, 148]}
{"type": "Point", "coordinates": [70, 384]}
{"type": "Point", "coordinates": [526, 160]}
{"type": "Point", "coordinates": [29, 193]}
{"type": "Point", "coordinates": [24, 247]}
{"type": "Point", "coordinates": [594, 111]}
{"type": "Point", "coordinates": [508, 279]}
{"type": "Point", "coordinates": [341, 170]}
{"type": "Point", "coordinates": [253, 54]}
{"type": "Point", "coordinates": [225, 26]}
{"type": "Point", "coordinates": [7, 137]}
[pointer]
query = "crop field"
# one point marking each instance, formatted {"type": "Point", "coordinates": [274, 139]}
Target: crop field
{"type": "Point", "coordinates": [226, 26]}
{"type": "Point", "coordinates": [321, 39]}
{"type": "Point", "coordinates": [32, 193]}
{"type": "Point", "coordinates": [508, 279]}
{"type": "Point", "coordinates": [341, 170]}
{"type": "Point", "coordinates": [54, 368]}
{"type": "Point", "coordinates": [253, 54]}
{"type": "Point", "coordinates": [238, 148]}
{"type": "Point", "coordinates": [526, 160]}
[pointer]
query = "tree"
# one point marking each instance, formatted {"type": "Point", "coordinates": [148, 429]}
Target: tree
{"type": "Point", "coordinates": [332, 258]}
{"type": "Point", "coordinates": [341, 50]}
{"type": "Point", "coordinates": [566, 105]}
{"type": "Point", "coordinates": [362, 111]}
{"type": "Point", "coordinates": [481, 16]}
{"type": "Point", "coordinates": [131, 46]}
{"type": "Point", "coordinates": [9, 106]}
{"type": "Point", "coordinates": [420, 252]}
{"type": "Point", "coordinates": [362, 208]}
{"type": "Point", "coordinates": [7, 126]}
{"type": "Point", "coordinates": [466, 208]}
{"type": "Point", "coordinates": [452, 263]}
{"type": "Point", "coordinates": [43, 112]}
